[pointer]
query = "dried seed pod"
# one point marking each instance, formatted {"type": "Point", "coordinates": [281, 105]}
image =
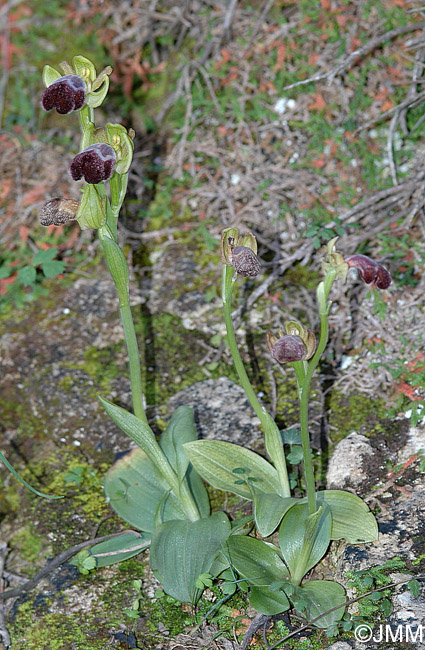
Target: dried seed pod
{"type": "Point", "coordinates": [58, 211]}
{"type": "Point", "coordinates": [245, 262]}
{"type": "Point", "coordinates": [66, 94]}
{"type": "Point", "coordinates": [370, 271]}
{"type": "Point", "coordinates": [96, 163]}
{"type": "Point", "coordinates": [289, 348]}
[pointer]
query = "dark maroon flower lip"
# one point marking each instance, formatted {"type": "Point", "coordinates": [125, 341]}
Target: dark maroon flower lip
{"type": "Point", "coordinates": [289, 348]}
{"type": "Point", "coordinates": [370, 271]}
{"type": "Point", "coordinates": [95, 163]}
{"type": "Point", "coordinates": [66, 94]}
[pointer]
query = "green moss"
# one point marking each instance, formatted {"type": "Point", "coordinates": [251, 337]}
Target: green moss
{"type": "Point", "coordinates": [28, 544]}
{"type": "Point", "coordinates": [171, 357]}
{"type": "Point", "coordinates": [355, 413]}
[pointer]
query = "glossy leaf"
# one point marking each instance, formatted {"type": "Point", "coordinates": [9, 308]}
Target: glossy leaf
{"type": "Point", "coordinates": [351, 518]}
{"type": "Point", "coordinates": [304, 538]}
{"type": "Point", "coordinates": [320, 596]}
{"type": "Point", "coordinates": [143, 436]}
{"type": "Point", "coordinates": [180, 429]}
{"type": "Point", "coordinates": [135, 489]}
{"type": "Point", "coordinates": [268, 602]}
{"type": "Point", "coordinates": [215, 461]}
{"type": "Point", "coordinates": [269, 510]}
{"type": "Point", "coordinates": [255, 560]}
{"type": "Point", "coordinates": [182, 551]}
{"type": "Point", "coordinates": [117, 549]}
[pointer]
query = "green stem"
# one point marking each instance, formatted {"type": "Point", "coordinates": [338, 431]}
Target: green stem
{"type": "Point", "coordinates": [273, 439]}
{"type": "Point", "coordinates": [134, 362]}
{"type": "Point", "coordinates": [322, 296]}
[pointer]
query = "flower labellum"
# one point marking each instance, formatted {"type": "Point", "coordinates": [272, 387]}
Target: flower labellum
{"type": "Point", "coordinates": [244, 261]}
{"type": "Point", "coordinates": [370, 271]}
{"type": "Point", "coordinates": [289, 348]}
{"type": "Point", "coordinates": [66, 94]}
{"type": "Point", "coordinates": [96, 163]}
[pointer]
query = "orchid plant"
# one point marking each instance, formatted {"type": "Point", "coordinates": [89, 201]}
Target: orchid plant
{"type": "Point", "coordinates": [157, 487]}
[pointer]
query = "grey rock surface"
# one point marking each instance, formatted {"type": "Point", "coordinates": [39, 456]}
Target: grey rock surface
{"type": "Point", "coordinates": [222, 412]}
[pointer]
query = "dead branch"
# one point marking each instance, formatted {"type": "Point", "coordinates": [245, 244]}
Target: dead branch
{"type": "Point", "coordinates": [57, 561]}
{"type": "Point", "coordinates": [361, 52]}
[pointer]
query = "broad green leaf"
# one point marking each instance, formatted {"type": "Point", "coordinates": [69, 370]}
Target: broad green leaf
{"type": "Point", "coordinates": [43, 256]}
{"type": "Point", "coordinates": [51, 269]}
{"type": "Point", "coordinates": [180, 429]}
{"type": "Point", "coordinates": [117, 549]}
{"type": "Point", "coordinates": [268, 602]}
{"type": "Point", "coordinates": [215, 461]}
{"type": "Point", "coordinates": [50, 75]}
{"type": "Point", "coordinates": [143, 436]}
{"type": "Point", "coordinates": [320, 596]}
{"type": "Point", "coordinates": [135, 488]}
{"type": "Point", "coordinates": [27, 275]}
{"type": "Point", "coordinates": [253, 559]}
{"type": "Point", "coordinates": [198, 491]}
{"type": "Point", "coordinates": [269, 510]}
{"type": "Point", "coordinates": [351, 518]}
{"type": "Point", "coordinates": [183, 550]}
{"type": "Point", "coordinates": [304, 538]}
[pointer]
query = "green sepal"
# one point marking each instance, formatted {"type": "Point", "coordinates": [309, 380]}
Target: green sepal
{"type": "Point", "coordinates": [84, 68]}
{"type": "Point", "coordinates": [118, 267]}
{"type": "Point", "coordinates": [95, 98]}
{"type": "Point", "coordinates": [122, 144]}
{"type": "Point", "coordinates": [92, 210]}
{"type": "Point", "coordinates": [50, 75]}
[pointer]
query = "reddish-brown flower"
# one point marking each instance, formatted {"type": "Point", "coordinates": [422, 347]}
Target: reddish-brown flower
{"type": "Point", "coordinates": [289, 348]}
{"type": "Point", "coordinates": [370, 271]}
{"type": "Point", "coordinates": [66, 94]}
{"type": "Point", "coordinates": [96, 163]}
{"type": "Point", "coordinates": [245, 262]}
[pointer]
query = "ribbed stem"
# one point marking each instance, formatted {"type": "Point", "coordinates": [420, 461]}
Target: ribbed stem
{"type": "Point", "coordinates": [273, 439]}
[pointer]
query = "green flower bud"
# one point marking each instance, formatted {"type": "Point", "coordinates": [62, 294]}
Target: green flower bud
{"type": "Point", "coordinates": [92, 210]}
